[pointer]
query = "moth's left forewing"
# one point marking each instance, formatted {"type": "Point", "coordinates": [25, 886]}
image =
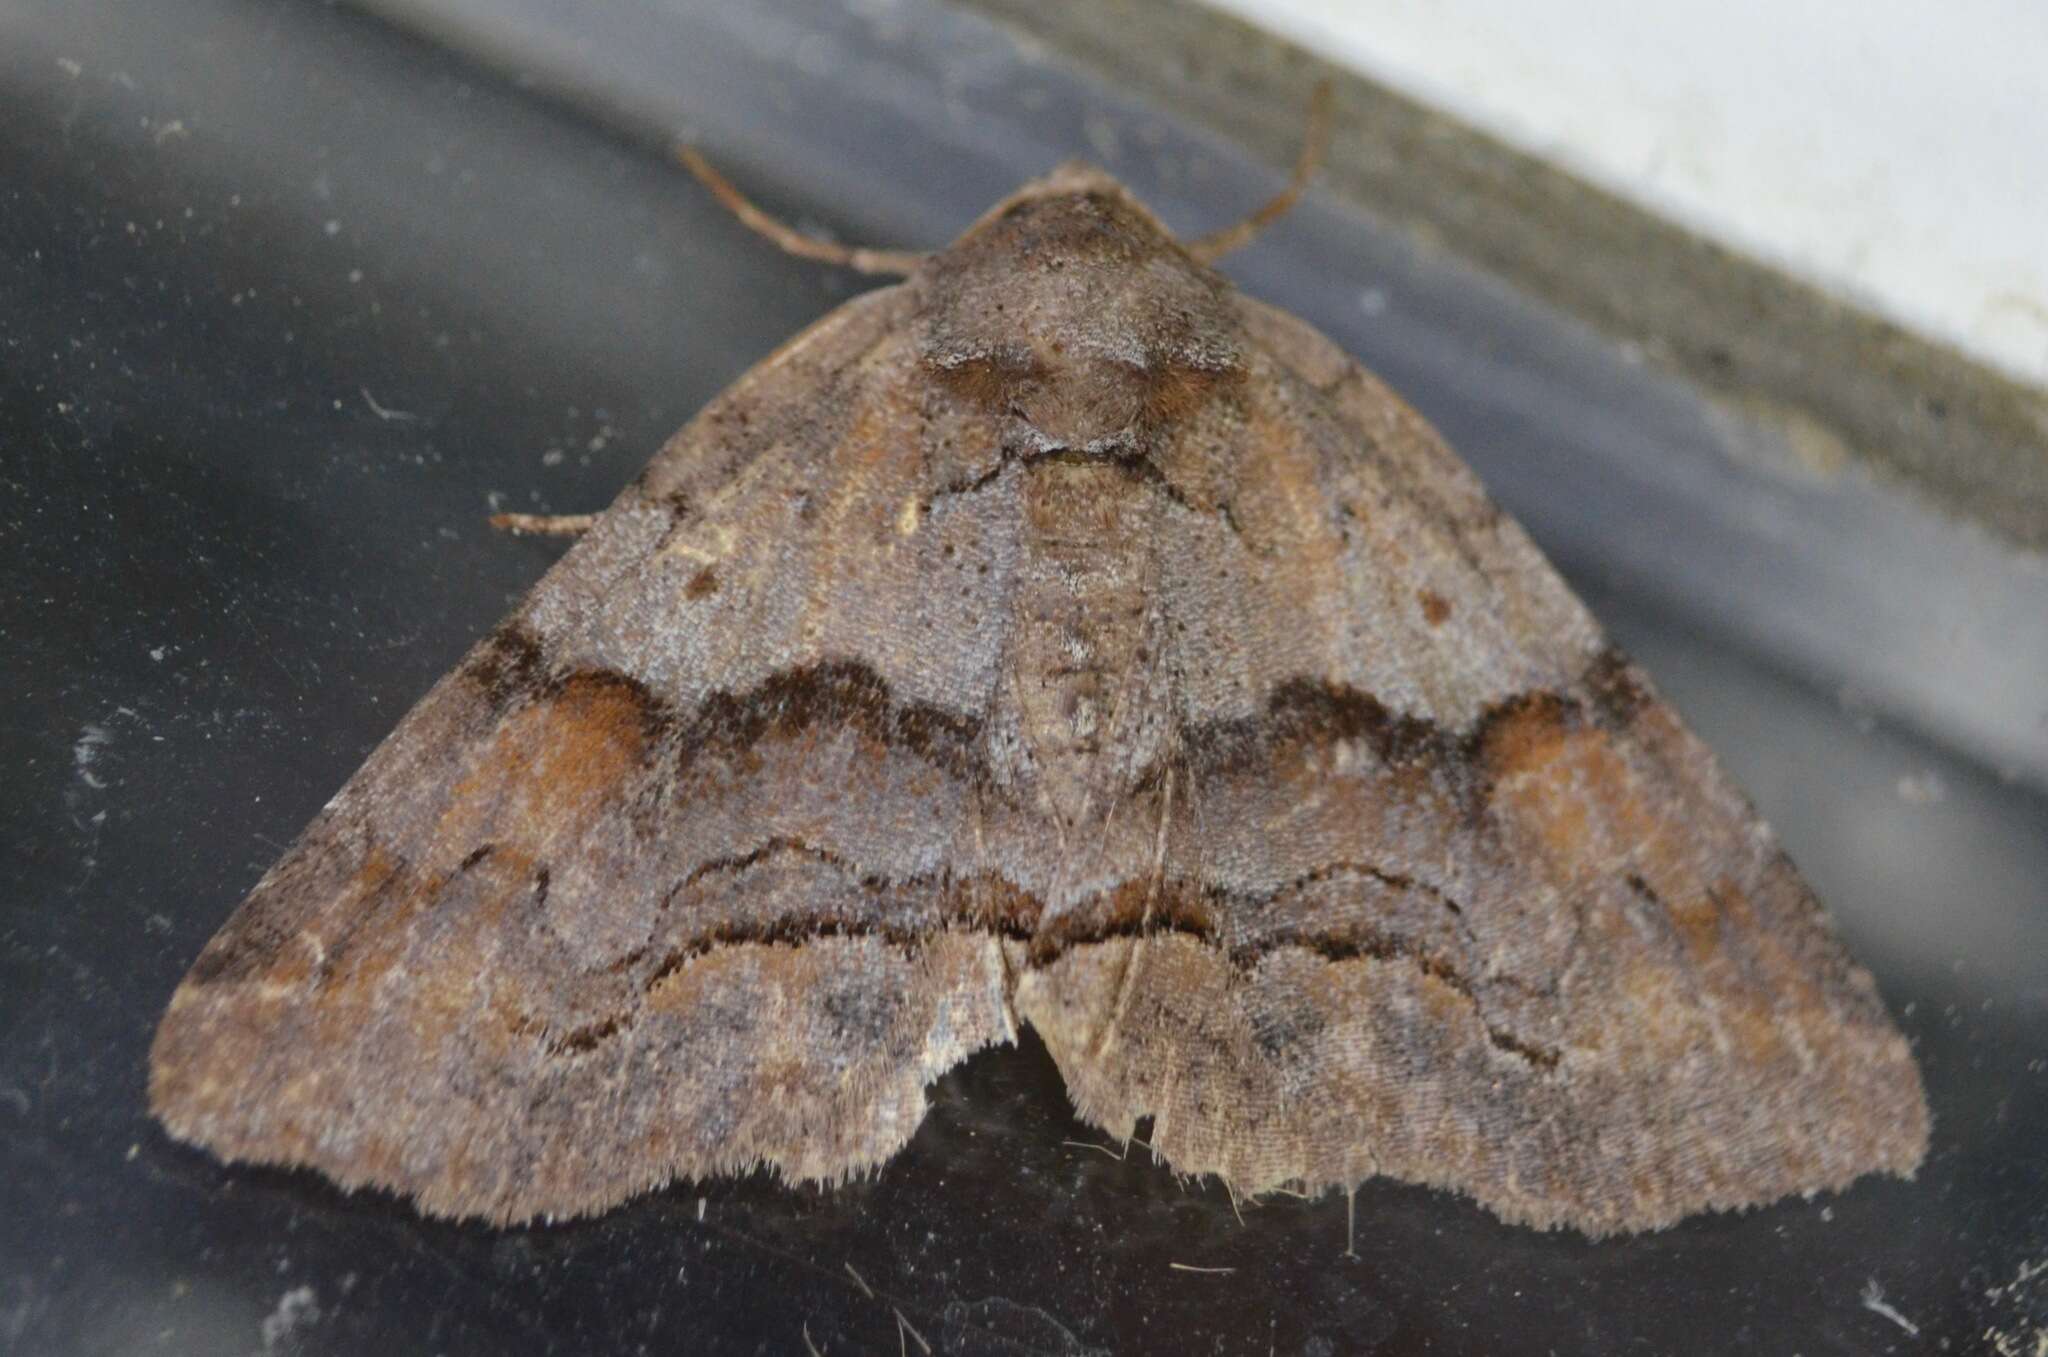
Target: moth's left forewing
{"type": "Point", "coordinates": [651, 884]}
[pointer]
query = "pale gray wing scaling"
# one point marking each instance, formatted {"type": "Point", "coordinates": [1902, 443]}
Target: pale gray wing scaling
{"type": "Point", "coordinates": [654, 883]}
{"type": "Point", "coordinates": [1454, 897]}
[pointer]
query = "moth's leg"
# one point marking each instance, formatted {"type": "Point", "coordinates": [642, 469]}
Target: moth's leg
{"type": "Point", "coordinates": [787, 237]}
{"type": "Point", "coordinates": [543, 525]}
{"type": "Point", "coordinates": [1215, 245]}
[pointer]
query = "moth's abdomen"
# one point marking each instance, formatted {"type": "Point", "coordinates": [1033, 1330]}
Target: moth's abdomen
{"type": "Point", "coordinates": [1083, 620]}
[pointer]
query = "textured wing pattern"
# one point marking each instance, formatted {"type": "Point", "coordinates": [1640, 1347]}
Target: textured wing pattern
{"type": "Point", "coordinates": [606, 908]}
{"type": "Point", "coordinates": [1472, 909]}
{"type": "Point", "coordinates": [1056, 638]}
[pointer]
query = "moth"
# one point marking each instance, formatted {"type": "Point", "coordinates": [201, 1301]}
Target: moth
{"type": "Point", "coordinates": [1055, 637]}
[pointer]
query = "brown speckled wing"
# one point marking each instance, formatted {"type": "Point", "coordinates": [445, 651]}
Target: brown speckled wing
{"type": "Point", "coordinates": [1453, 897]}
{"type": "Point", "coordinates": [1055, 638]}
{"type": "Point", "coordinates": [541, 952]}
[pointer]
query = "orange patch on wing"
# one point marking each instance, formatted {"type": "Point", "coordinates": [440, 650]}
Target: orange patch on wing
{"type": "Point", "coordinates": [1550, 780]}
{"type": "Point", "coordinates": [385, 895]}
{"type": "Point", "coordinates": [1655, 1011]}
{"type": "Point", "coordinates": [292, 966]}
{"type": "Point", "coordinates": [1698, 921]}
{"type": "Point", "coordinates": [551, 770]}
{"type": "Point", "coordinates": [1790, 977]}
{"type": "Point", "coordinates": [1279, 498]}
{"type": "Point", "coordinates": [1573, 789]}
{"type": "Point", "coordinates": [1450, 1008]}
{"type": "Point", "coordinates": [1526, 740]}
{"type": "Point", "coordinates": [376, 872]}
{"type": "Point", "coordinates": [376, 947]}
{"type": "Point", "coordinates": [1760, 1039]}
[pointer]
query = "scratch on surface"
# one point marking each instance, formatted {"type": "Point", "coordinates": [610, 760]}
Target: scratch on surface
{"type": "Point", "coordinates": [1874, 1301]}
{"type": "Point", "coordinates": [904, 1326]}
{"type": "Point", "coordinates": [860, 1281]}
{"type": "Point", "coordinates": [1029, 1328]}
{"type": "Point", "coordinates": [1190, 1267]}
{"type": "Point", "coordinates": [380, 411]}
{"type": "Point", "coordinates": [1117, 1155]}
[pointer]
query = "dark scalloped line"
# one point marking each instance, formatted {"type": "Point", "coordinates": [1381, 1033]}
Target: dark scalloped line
{"type": "Point", "coordinates": [511, 665]}
{"type": "Point", "coordinates": [588, 1037]}
{"type": "Point", "coordinates": [1397, 880]}
{"type": "Point", "coordinates": [1163, 912]}
{"type": "Point", "coordinates": [1333, 951]}
{"type": "Point", "coordinates": [511, 670]}
{"type": "Point", "coordinates": [792, 933]}
{"type": "Point", "coordinates": [1301, 711]}
{"type": "Point", "coordinates": [1134, 909]}
{"type": "Point", "coordinates": [774, 846]}
{"type": "Point", "coordinates": [1369, 944]}
{"type": "Point", "coordinates": [1133, 461]}
{"type": "Point", "coordinates": [1543, 1057]}
{"type": "Point", "coordinates": [1317, 713]}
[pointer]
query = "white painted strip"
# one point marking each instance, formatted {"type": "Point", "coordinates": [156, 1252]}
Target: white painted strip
{"type": "Point", "coordinates": [1892, 151]}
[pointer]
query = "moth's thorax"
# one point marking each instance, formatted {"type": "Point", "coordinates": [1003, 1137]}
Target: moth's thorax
{"type": "Point", "coordinates": [1074, 317]}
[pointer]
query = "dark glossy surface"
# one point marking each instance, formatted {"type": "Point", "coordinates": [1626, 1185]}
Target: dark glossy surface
{"type": "Point", "coordinates": [288, 303]}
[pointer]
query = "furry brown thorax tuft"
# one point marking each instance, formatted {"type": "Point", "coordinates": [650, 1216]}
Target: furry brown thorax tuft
{"type": "Point", "coordinates": [1071, 312]}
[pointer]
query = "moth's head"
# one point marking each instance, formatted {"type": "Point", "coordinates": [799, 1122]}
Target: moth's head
{"type": "Point", "coordinates": [1072, 315]}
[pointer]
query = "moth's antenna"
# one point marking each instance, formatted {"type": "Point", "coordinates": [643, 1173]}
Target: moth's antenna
{"type": "Point", "coordinates": [1214, 246]}
{"type": "Point", "coordinates": [787, 237]}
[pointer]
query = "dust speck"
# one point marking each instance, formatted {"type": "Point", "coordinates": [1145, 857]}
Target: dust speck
{"type": "Point", "coordinates": [86, 752]}
{"type": "Point", "coordinates": [1922, 789]}
{"type": "Point", "coordinates": [298, 1308]}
